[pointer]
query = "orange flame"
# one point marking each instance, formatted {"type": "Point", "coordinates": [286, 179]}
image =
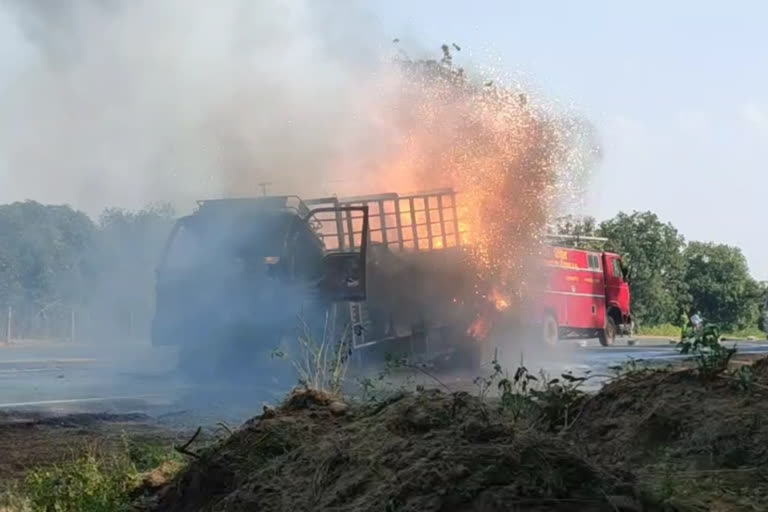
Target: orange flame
{"type": "Point", "coordinates": [480, 328]}
{"type": "Point", "coordinates": [492, 146]}
{"type": "Point", "coordinates": [499, 300]}
{"type": "Point", "coordinates": [501, 153]}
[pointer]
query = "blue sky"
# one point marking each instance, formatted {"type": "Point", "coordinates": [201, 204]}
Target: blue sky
{"type": "Point", "coordinates": [678, 91]}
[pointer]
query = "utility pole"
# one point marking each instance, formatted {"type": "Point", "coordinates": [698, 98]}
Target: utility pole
{"type": "Point", "coordinates": [72, 329]}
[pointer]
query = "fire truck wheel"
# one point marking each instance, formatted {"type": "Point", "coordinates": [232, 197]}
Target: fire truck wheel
{"type": "Point", "coordinates": [550, 330]}
{"type": "Point", "coordinates": [608, 335]}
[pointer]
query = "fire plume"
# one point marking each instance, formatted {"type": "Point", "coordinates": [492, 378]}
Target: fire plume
{"type": "Point", "coordinates": [509, 156]}
{"type": "Point", "coordinates": [505, 154]}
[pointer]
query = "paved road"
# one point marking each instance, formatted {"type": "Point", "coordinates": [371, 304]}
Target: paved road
{"type": "Point", "coordinates": [65, 377]}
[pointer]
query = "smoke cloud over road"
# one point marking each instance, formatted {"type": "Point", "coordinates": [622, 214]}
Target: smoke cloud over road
{"type": "Point", "coordinates": [124, 103]}
{"type": "Point", "coordinates": [127, 102]}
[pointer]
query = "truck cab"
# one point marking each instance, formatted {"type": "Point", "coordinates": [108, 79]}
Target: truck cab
{"type": "Point", "coordinates": [236, 275]}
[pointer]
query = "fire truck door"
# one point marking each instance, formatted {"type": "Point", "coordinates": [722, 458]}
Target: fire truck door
{"type": "Point", "coordinates": [615, 286]}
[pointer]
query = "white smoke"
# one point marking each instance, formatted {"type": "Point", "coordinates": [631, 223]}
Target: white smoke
{"type": "Point", "coordinates": [128, 102]}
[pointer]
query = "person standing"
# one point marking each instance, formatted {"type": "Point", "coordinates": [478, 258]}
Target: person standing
{"type": "Point", "coordinates": [696, 321]}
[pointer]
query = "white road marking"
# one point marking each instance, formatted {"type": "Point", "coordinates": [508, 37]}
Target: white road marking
{"type": "Point", "coordinates": [75, 401]}
{"type": "Point", "coordinates": [48, 361]}
{"type": "Point", "coordinates": [15, 371]}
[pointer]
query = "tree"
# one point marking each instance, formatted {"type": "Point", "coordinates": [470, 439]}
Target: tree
{"type": "Point", "coordinates": [125, 257]}
{"type": "Point", "coordinates": [43, 268]}
{"type": "Point", "coordinates": [720, 285]}
{"type": "Point", "coordinates": [576, 226]}
{"type": "Point", "coordinates": [42, 252]}
{"type": "Point", "coordinates": [653, 250]}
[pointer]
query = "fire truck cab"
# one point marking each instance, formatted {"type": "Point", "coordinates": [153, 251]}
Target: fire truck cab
{"type": "Point", "coordinates": [585, 294]}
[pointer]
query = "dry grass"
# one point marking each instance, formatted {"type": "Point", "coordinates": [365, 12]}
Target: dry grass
{"type": "Point", "coordinates": [322, 364]}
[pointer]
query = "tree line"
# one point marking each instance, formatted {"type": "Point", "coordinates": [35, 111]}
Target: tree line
{"type": "Point", "coordinates": [55, 260]}
{"type": "Point", "coordinates": [670, 277]}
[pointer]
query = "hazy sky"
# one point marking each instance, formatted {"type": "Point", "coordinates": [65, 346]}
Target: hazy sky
{"type": "Point", "coordinates": [678, 91]}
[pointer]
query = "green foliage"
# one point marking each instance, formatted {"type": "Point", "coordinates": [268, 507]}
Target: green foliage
{"type": "Point", "coordinates": [54, 259]}
{"type": "Point", "coordinates": [745, 378]}
{"type": "Point", "coordinates": [653, 251]}
{"type": "Point", "coordinates": [148, 456]}
{"type": "Point", "coordinates": [42, 254]}
{"type": "Point", "coordinates": [550, 402]}
{"type": "Point", "coordinates": [667, 330]}
{"type": "Point", "coordinates": [86, 484]}
{"type": "Point", "coordinates": [576, 226]}
{"type": "Point", "coordinates": [720, 285]}
{"type": "Point", "coordinates": [674, 331]}
{"type": "Point", "coordinates": [92, 481]}
{"type": "Point", "coordinates": [711, 357]}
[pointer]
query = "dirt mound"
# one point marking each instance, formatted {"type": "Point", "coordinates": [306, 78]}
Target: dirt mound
{"type": "Point", "coordinates": [702, 442]}
{"type": "Point", "coordinates": [760, 370]}
{"type": "Point", "coordinates": [307, 399]}
{"type": "Point", "coordinates": [428, 452]}
{"type": "Point", "coordinates": [651, 440]}
{"type": "Point", "coordinates": [702, 424]}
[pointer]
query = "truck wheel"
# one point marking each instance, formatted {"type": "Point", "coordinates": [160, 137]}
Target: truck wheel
{"type": "Point", "coordinates": [607, 335]}
{"type": "Point", "coordinates": [550, 330]}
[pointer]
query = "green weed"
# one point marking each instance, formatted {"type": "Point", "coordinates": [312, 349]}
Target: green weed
{"type": "Point", "coordinates": [90, 482]}
{"type": "Point", "coordinates": [710, 356]}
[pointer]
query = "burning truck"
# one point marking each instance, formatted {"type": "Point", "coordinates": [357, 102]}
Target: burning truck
{"type": "Point", "coordinates": [388, 274]}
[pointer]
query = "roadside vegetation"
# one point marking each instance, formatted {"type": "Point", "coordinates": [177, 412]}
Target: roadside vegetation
{"type": "Point", "coordinates": [673, 331]}
{"type": "Point", "coordinates": [93, 478]}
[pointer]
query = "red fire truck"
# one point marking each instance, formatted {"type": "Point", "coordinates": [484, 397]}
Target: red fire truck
{"type": "Point", "coordinates": [586, 292]}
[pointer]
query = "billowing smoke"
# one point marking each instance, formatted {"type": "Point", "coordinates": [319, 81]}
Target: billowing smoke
{"type": "Point", "coordinates": [129, 102]}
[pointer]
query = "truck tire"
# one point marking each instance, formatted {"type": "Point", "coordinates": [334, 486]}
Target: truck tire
{"type": "Point", "coordinates": [607, 336]}
{"type": "Point", "coordinates": [550, 331]}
